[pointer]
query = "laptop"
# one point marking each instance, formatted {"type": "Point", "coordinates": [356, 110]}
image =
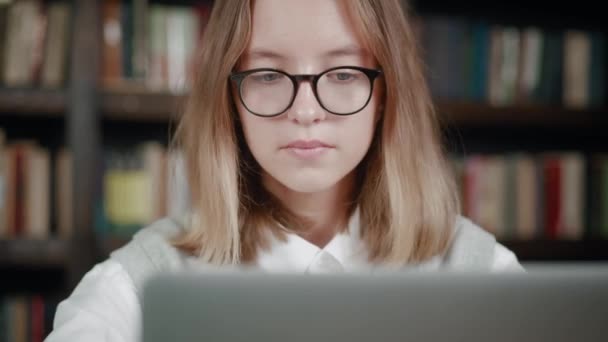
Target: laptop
{"type": "Point", "coordinates": [547, 303]}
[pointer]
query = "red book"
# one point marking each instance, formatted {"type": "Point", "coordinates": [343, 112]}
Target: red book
{"type": "Point", "coordinates": [37, 319]}
{"type": "Point", "coordinates": [552, 196]}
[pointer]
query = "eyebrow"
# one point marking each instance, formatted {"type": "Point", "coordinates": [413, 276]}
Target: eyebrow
{"type": "Point", "coordinates": [349, 50]}
{"type": "Point", "coordinates": [346, 51]}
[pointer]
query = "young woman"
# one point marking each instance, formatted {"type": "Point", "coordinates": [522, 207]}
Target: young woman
{"type": "Point", "coordinates": [311, 145]}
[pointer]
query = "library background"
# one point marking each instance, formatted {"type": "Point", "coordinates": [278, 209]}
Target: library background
{"type": "Point", "coordinates": [91, 90]}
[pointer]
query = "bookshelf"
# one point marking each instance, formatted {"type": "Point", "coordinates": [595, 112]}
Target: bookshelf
{"type": "Point", "coordinates": [91, 115]}
{"type": "Point", "coordinates": [30, 253]}
{"type": "Point", "coordinates": [34, 102]}
{"type": "Point", "coordinates": [140, 106]}
{"type": "Point", "coordinates": [85, 106]}
{"type": "Point", "coordinates": [463, 114]}
{"type": "Point", "coordinates": [586, 250]}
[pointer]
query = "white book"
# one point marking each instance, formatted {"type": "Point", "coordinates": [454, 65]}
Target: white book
{"type": "Point", "coordinates": [572, 196]}
{"type": "Point", "coordinates": [22, 24]}
{"type": "Point", "coordinates": [37, 192]}
{"type": "Point", "coordinates": [157, 48]}
{"type": "Point", "coordinates": [577, 62]}
{"type": "Point", "coordinates": [531, 61]}
{"type": "Point", "coordinates": [510, 66]}
{"type": "Point", "coordinates": [56, 50]}
{"type": "Point", "coordinates": [182, 32]}
{"type": "Point", "coordinates": [495, 66]}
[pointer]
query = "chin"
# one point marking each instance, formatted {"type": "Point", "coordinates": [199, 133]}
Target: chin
{"type": "Point", "coordinates": [308, 187]}
{"type": "Point", "coordinates": [308, 183]}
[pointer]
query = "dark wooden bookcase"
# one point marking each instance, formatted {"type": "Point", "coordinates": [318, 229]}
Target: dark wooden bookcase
{"type": "Point", "coordinates": [82, 110]}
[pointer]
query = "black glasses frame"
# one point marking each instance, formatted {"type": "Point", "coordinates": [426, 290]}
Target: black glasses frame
{"type": "Point", "coordinates": [238, 78]}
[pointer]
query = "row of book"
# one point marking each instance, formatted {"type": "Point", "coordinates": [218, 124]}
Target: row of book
{"type": "Point", "coordinates": [151, 44]}
{"type": "Point", "coordinates": [26, 318]}
{"type": "Point", "coordinates": [138, 186]}
{"type": "Point", "coordinates": [34, 43]}
{"type": "Point", "coordinates": [517, 196]}
{"type": "Point", "coordinates": [536, 196]}
{"type": "Point", "coordinates": [28, 198]}
{"type": "Point", "coordinates": [503, 65]}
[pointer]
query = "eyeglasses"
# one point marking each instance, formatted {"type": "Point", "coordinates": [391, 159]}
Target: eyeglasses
{"type": "Point", "coordinates": [343, 90]}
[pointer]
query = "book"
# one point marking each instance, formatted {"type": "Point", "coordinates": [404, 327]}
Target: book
{"type": "Point", "coordinates": [23, 26]}
{"type": "Point", "coordinates": [63, 193]}
{"type": "Point", "coordinates": [36, 223]}
{"type": "Point", "coordinates": [551, 83]}
{"type": "Point", "coordinates": [112, 68]}
{"type": "Point", "coordinates": [526, 197]}
{"type": "Point", "coordinates": [553, 175]}
{"type": "Point", "coordinates": [530, 65]}
{"type": "Point", "coordinates": [577, 63]}
{"type": "Point", "coordinates": [572, 196]}
{"type": "Point", "coordinates": [3, 186]}
{"type": "Point", "coordinates": [597, 79]}
{"type": "Point", "coordinates": [157, 48]}
{"type": "Point", "coordinates": [54, 65]}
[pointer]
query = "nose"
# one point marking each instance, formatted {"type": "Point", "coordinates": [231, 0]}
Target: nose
{"type": "Point", "coordinates": [306, 109]}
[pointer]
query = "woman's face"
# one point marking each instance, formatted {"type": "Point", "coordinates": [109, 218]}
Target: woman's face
{"type": "Point", "coordinates": [306, 149]}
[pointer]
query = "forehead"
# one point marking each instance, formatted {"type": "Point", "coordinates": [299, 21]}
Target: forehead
{"type": "Point", "coordinates": [297, 29]}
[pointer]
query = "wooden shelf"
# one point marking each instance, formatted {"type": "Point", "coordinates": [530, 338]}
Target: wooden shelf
{"type": "Point", "coordinates": [33, 253]}
{"type": "Point", "coordinates": [149, 106]}
{"type": "Point", "coordinates": [559, 250]}
{"type": "Point", "coordinates": [469, 114]}
{"type": "Point", "coordinates": [140, 105]}
{"type": "Point", "coordinates": [33, 102]}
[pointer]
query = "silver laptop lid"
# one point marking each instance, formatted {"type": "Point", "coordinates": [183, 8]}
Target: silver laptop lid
{"type": "Point", "coordinates": [547, 304]}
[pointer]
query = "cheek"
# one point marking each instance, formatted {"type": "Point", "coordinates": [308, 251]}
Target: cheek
{"type": "Point", "coordinates": [258, 133]}
{"type": "Point", "coordinates": [357, 133]}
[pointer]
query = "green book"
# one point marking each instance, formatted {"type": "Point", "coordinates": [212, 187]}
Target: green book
{"type": "Point", "coordinates": [127, 38]}
{"type": "Point", "coordinates": [479, 62]}
{"type": "Point", "coordinates": [550, 89]}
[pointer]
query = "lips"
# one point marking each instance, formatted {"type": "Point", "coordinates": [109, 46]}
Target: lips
{"type": "Point", "coordinates": [308, 144]}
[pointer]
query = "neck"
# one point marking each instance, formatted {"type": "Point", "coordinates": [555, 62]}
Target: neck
{"type": "Point", "coordinates": [325, 211]}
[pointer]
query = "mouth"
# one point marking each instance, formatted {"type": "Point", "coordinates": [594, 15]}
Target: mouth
{"type": "Point", "coordinates": [307, 149]}
{"type": "Point", "coordinates": [307, 145]}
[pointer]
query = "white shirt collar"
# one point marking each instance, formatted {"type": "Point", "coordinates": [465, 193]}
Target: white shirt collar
{"type": "Point", "coordinates": [345, 252]}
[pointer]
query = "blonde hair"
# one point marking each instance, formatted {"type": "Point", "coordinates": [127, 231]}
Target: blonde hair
{"type": "Point", "coordinates": [406, 194]}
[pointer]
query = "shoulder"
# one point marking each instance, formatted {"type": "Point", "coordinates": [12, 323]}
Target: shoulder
{"type": "Point", "coordinates": [474, 248]}
{"type": "Point", "coordinates": [150, 251]}
{"type": "Point", "coordinates": [103, 305]}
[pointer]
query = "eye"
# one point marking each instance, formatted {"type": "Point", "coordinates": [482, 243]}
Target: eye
{"type": "Point", "coordinates": [267, 77]}
{"type": "Point", "coordinates": [342, 76]}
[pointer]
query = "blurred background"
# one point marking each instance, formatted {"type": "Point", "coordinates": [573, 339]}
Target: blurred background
{"type": "Point", "coordinates": [90, 92]}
